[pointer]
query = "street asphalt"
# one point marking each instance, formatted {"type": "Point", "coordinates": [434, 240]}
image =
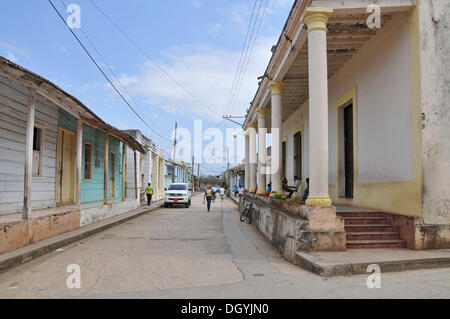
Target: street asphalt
{"type": "Point", "coordinates": [189, 253]}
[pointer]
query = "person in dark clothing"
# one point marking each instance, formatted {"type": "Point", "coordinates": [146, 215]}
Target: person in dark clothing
{"type": "Point", "coordinates": [306, 192]}
{"type": "Point", "coordinates": [149, 191]}
{"type": "Point", "coordinates": [209, 194]}
{"type": "Point", "coordinates": [287, 189]}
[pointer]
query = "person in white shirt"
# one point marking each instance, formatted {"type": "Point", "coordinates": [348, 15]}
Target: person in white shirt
{"type": "Point", "coordinates": [222, 193]}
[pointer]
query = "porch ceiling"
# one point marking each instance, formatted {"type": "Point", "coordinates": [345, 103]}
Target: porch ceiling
{"type": "Point", "coordinates": [347, 33]}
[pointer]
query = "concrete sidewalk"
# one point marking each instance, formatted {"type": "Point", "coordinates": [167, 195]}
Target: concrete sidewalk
{"type": "Point", "coordinates": [30, 252]}
{"type": "Point", "coordinates": [356, 261]}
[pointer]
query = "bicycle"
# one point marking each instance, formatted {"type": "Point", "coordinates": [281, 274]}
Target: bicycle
{"type": "Point", "coordinates": [247, 214]}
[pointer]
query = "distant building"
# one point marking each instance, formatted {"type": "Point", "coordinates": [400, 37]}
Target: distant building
{"type": "Point", "coordinates": [182, 172]}
{"type": "Point", "coordinates": [150, 169]}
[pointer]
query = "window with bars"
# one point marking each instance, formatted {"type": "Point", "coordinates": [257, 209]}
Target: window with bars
{"type": "Point", "coordinates": [298, 155]}
{"type": "Point", "coordinates": [38, 134]}
{"type": "Point", "coordinates": [87, 161]}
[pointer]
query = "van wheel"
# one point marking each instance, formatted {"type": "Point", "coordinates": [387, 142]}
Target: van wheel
{"type": "Point", "coordinates": [166, 205]}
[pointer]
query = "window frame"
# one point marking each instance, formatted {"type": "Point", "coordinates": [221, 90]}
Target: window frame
{"type": "Point", "coordinates": [298, 156]}
{"type": "Point", "coordinates": [84, 158]}
{"type": "Point", "coordinates": [41, 151]}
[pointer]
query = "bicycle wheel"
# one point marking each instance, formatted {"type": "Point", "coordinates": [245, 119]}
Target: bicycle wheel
{"type": "Point", "coordinates": [244, 215]}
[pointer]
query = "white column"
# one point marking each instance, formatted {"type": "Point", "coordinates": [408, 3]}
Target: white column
{"type": "Point", "coordinates": [161, 174]}
{"type": "Point", "coordinates": [252, 156]}
{"type": "Point", "coordinates": [276, 89]}
{"type": "Point", "coordinates": [155, 176]}
{"type": "Point", "coordinates": [316, 19]}
{"type": "Point", "coordinates": [28, 174]}
{"type": "Point", "coordinates": [79, 160]}
{"type": "Point", "coordinates": [247, 166]}
{"type": "Point", "coordinates": [262, 151]}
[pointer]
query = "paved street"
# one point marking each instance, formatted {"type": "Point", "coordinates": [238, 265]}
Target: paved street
{"type": "Point", "coordinates": [188, 253]}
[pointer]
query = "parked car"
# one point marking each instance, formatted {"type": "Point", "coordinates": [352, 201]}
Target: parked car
{"type": "Point", "coordinates": [177, 194]}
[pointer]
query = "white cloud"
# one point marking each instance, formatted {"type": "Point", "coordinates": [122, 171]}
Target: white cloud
{"type": "Point", "coordinates": [11, 57]}
{"type": "Point", "coordinates": [197, 4]}
{"type": "Point", "coordinates": [15, 49]}
{"type": "Point", "coordinates": [62, 49]}
{"type": "Point", "coordinates": [204, 71]}
{"type": "Point", "coordinates": [127, 80]}
{"type": "Point", "coordinates": [215, 29]}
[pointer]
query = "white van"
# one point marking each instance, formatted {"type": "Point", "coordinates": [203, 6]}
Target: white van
{"type": "Point", "coordinates": [177, 194]}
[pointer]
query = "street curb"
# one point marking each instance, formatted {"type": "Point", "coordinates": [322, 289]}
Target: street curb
{"type": "Point", "coordinates": [308, 263]}
{"type": "Point", "coordinates": [25, 254]}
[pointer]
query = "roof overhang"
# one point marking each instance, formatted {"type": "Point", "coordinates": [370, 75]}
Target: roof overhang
{"type": "Point", "coordinates": [62, 99]}
{"type": "Point", "coordinates": [347, 33]}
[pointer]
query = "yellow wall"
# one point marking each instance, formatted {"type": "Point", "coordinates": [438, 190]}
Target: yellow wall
{"type": "Point", "coordinates": [403, 198]}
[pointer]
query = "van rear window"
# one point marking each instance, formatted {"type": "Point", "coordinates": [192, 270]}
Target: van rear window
{"type": "Point", "coordinates": [177, 187]}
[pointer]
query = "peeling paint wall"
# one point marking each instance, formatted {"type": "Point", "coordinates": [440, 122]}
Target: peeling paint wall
{"type": "Point", "coordinates": [434, 20]}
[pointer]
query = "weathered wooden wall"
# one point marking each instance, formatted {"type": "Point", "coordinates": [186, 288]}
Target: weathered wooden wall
{"type": "Point", "coordinates": [93, 190]}
{"type": "Point", "coordinates": [13, 114]}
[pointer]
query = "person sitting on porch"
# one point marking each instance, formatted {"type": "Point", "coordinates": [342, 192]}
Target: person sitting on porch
{"type": "Point", "coordinates": [269, 189]}
{"type": "Point", "coordinates": [296, 183]}
{"type": "Point", "coordinates": [288, 190]}
{"type": "Point", "coordinates": [306, 192]}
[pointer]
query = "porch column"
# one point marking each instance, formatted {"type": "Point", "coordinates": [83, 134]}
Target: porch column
{"type": "Point", "coordinates": [252, 156]}
{"type": "Point", "coordinates": [106, 165]}
{"type": "Point", "coordinates": [262, 151]}
{"type": "Point", "coordinates": [316, 19]}
{"type": "Point", "coordinates": [28, 174]}
{"type": "Point", "coordinates": [79, 160]}
{"type": "Point", "coordinates": [161, 178]}
{"type": "Point", "coordinates": [155, 176]}
{"type": "Point", "coordinates": [136, 176]}
{"type": "Point", "coordinates": [124, 170]}
{"type": "Point", "coordinates": [276, 89]}
{"type": "Point", "coordinates": [247, 166]}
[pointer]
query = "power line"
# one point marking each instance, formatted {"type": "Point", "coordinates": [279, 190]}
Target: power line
{"type": "Point", "coordinates": [99, 68]}
{"type": "Point", "coordinates": [240, 58]}
{"type": "Point", "coordinates": [233, 100]}
{"type": "Point", "coordinates": [250, 56]}
{"type": "Point", "coordinates": [151, 59]}
{"type": "Point", "coordinates": [117, 79]}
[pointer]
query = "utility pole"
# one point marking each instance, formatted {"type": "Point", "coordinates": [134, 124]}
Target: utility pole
{"type": "Point", "coordinates": [174, 149]}
{"type": "Point", "coordinates": [198, 175]}
{"type": "Point", "coordinates": [228, 168]}
{"type": "Point", "coordinates": [192, 176]}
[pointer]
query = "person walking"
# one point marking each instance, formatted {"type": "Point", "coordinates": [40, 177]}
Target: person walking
{"type": "Point", "coordinates": [149, 191]}
{"type": "Point", "coordinates": [208, 196]}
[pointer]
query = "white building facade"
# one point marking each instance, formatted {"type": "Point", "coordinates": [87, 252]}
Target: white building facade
{"type": "Point", "coordinates": [361, 112]}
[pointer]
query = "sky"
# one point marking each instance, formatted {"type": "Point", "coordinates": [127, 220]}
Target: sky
{"type": "Point", "coordinates": [197, 42]}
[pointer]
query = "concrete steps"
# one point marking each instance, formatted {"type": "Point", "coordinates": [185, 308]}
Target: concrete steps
{"type": "Point", "coordinates": [373, 236]}
{"type": "Point", "coordinates": [370, 230]}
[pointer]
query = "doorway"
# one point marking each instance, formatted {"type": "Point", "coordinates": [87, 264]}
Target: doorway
{"type": "Point", "coordinates": [348, 151]}
{"type": "Point", "coordinates": [112, 176]}
{"type": "Point", "coordinates": [65, 171]}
